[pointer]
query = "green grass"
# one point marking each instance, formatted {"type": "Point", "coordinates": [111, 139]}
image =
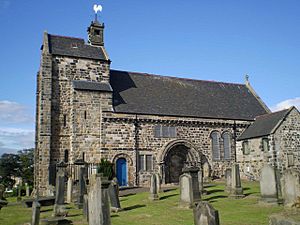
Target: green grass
{"type": "Point", "coordinates": [138, 210]}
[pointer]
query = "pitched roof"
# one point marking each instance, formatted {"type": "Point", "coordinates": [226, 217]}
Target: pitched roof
{"type": "Point", "coordinates": [75, 47]}
{"type": "Point", "coordinates": [159, 95]}
{"type": "Point", "coordinates": [264, 125]}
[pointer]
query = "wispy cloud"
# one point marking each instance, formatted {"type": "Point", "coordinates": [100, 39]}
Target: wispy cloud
{"type": "Point", "coordinates": [13, 139]}
{"type": "Point", "coordinates": [13, 112]}
{"type": "Point", "coordinates": [286, 104]}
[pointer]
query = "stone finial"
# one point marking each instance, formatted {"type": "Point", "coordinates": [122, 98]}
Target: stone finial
{"type": "Point", "coordinates": [247, 79]}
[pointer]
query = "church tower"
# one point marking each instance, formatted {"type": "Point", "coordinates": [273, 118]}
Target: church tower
{"type": "Point", "coordinates": [95, 33]}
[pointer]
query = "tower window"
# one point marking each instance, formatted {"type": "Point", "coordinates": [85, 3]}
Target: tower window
{"type": "Point", "coordinates": [97, 32]}
{"type": "Point", "coordinates": [66, 156]}
{"type": "Point", "coordinates": [65, 120]}
{"type": "Point", "coordinates": [85, 115]}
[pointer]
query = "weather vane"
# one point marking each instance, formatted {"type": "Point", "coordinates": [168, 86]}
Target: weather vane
{"type": "Point", "coordinates": [97, 8]}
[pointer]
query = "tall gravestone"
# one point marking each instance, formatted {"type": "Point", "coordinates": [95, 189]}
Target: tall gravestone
{"type": "Point", "coordinates": [158, 184]}
{"type": "Point", "coordinates": [236, 190]}
{"type": "Point", "coordinates": [69, 190]}
{"type": "Point", "coordinates": [59, 206]}
{"type": "Point", "coordinates": [268, 184]}
{"type": "Point", "coordinates": [36, 209]}
{"type": "Point", "coordinates": [201, 182]}
{"type": "Point", "coordinates": [98, 203]}
{"type": "Point", "coordinates": [290, 184]}
{"type": "Point", "coordinates": [27, 190]}
{"type": "Point", "coordinates": [153, 195]}
{"type": "Point", "coordinates": [114, 197]}
{"type": "Point", "coordinates": [189, 187]}
{"type": "Point", "coordinates": [228, 180]}
{"type": "Point", "coordinates": [82, 186]}
{"type": "Point", "coordinates": [205, 214]}
{"type": "Point", "coordinates": [85, 208]}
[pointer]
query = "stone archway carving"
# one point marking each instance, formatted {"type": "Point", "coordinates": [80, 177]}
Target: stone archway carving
{"type": "Point", "coordinates": [174, 156]}
{"type": "Point", "coordinates": [125, 156]}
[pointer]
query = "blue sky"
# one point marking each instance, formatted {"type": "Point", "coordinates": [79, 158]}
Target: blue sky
{"type": "Point", "coordinates": [208, 40]}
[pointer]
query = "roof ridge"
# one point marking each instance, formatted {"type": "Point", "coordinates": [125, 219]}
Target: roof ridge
{"type": "Point", "coordinates": [178, 78]}
{"type": "Point", "coordinates": [62, 36]}
{"type": "Point", "coordinates": [272, 113]}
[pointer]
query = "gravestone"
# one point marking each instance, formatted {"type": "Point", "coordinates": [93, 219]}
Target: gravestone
{"type": "Point", "coordinates": [158, 179]}
{"type": "Point", "coordinates": [290, 184]}
{"type": "Point", "coordinates": [228, 180]}
{"type": "Point", "coordinates": [114, 198]}
{"type": "Point", "coordinates": [99, 210]}
{"type": "Point", "coordinates": [82, 187]}
{"type": "Point", "coordinates": [27, 190]}
{"type": "Point", "coordinates": [205, 214]}
{"type": "Point", "coordinates": [201, 182]}
{"type": "Point", "coordinates": [268, 184]}
{"type": "Point", "coordinates": [153, 195]}
{"type": "Point", "coordinates": [2, 190]}
{"type": "Point", "coordinates": [36, 209]}
{"type": "Point", "coordinates": [115, 181]}
{"type": "Point", "coordinates": [19, 198]}
{"type": "Point", "coordinates": [186, 196]}
{"type": "Point", "coordinates": [85, 208]}
{"type": "Point", "coordinates": [69, 190]}
{"type": "Point", "coordinates": [206, 172]}
{"type": "Point", "coordinates": [193, 172]}
{"type": "Point", "coordinates": [59, 207]}
{"type": "Point", "coordinates": [236, 186]}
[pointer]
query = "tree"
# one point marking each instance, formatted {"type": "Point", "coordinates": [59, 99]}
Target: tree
{"type": "Point", "coordinates": [9, 168]}
{"type": "Point", "coordinates": [26, 165]}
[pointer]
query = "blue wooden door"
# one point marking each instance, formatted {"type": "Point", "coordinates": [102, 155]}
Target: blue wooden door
{"type": "Point", "coordinates": [122, 171]}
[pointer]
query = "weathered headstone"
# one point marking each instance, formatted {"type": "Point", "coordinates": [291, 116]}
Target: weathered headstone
{"type": "Point", "coordinates": [27, 190]}
{"type": "Point", "coordinates": [2, 190]}
{"type": "Point", "coordinates": [82, 187]}
{"type": "Point", "coordinates": [99, 210]}
{"type": "Point", "coordinates": [186, 196]}
{"type": "Point", "coordinates": [19, 198]}
{"type": "Point", "coordinates": [290, 183]}
{"type": "Point", "coordinates": [158, 179]}
{"type": "Point", "coordinates": [114, 198]}
{"type": "Point", "coordinates": [193, 172]}
{"type": "Point", "coordinates": [69, 190]}
{"type": "Point", "coordinates": [85, 209]}
{"type": "Point", "coordinates": [206, 172]}
{"type": "Point", "coordinates": [205, 214]}
{"type": "Point", "coordinates": [36, 209]}
{"type": "Point", "coordinates": [153, 188]}
{"type": "Point", "coordinates": [236, 186]}
{"type": "Point", "coordinates": [201, 182]}
{"type": "Point", "coordinates": [228, 180]}
{"type": "Point", "coordinates": [268, 184]}
{"type": "Point", "coordinates": [59, 207]}
{"type": "Point", "coordinates": [115, 181]}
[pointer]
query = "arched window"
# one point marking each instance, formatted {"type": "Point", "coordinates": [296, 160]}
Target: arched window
{"type": "Point", "coordinates": [227, 145]}
{"type": "Point", "coordinates": [215, 143]}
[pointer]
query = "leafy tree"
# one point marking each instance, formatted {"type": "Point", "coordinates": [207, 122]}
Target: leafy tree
{"type": "Point", "coordinates": [26, 165]}
{"type": "Point", "coordinates": [9, 168]}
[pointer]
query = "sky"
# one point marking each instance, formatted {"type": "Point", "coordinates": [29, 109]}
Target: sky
{"type": "Point", "coordinates": [198, 39]}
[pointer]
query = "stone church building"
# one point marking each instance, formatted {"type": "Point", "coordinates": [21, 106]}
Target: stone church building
{"type": "Point", "coordinates": [140, 122]}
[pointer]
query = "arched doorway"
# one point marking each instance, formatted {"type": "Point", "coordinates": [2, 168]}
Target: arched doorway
{"type": "Point", "coordinates": [122, 171]}
{"type": "Point", "coordinates": [174, 163]}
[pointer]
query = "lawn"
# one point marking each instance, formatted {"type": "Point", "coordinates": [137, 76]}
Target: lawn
{"type": "Point", "coordinates": [138, 210]}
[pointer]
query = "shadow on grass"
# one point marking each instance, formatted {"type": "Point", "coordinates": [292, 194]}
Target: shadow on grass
{"type": "Point", "coordinates": [214, 191]}
{"type": "Point", "coordinates": [215, 198]}
{"type": "Point", "coordinates": [46, 210]}
{"type": "Point", "coordinates": [73, 215]}
{"type": "Point", "coordinates": [167, 196]}
{"type": "Point", "coordinates": [129, 194]}
{"type": "Point", "coordinates": [133, 207]}
{"type": "Point", "coordinates": [170, 189]}
{"type": "Point", "coordinates": [114, 215]}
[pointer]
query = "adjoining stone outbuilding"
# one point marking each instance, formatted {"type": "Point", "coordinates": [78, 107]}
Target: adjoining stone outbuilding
{"type": "Point", "coordinates": [274, 139]}
{"type": "Point", "coordinates": [142, 123]}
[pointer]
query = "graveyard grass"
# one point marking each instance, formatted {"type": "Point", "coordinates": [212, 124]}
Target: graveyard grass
{"type": "Point", "coordinates": [138, 210]}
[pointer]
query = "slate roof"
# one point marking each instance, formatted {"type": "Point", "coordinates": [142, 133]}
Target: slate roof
{"type": "Point", "coordinates": [159, 95]}
{"type": "Point", "coordinates": [264, 125]}
{"type": "Point", "coordinates": [91, 86]}
{"type": "Point", "coordinates": [74, 47]}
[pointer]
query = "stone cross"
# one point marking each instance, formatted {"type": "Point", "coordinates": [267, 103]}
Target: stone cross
{"type": "Point", "coordinates": [153, 188]}
{"type": "Point", "coordinates": [228, 180]}
{"type": "Point", "coordinates": [69, 190]}
{"type": "Point", "coordinates": [113, 196]}
{"type": "Point", "coordinates": [290, 184]}
{"type": "Point", "coordinates": [269, 184]}
{"type": "Point", "coordinates": [36, 209]}
{"type": "Point", "coordinates": [205, 214]}
{"type": "Point", "coordinates": [98, 203]}
{"type": "Point", "coordinates": [236, 186]}
{"type": "Point", "coordinates": [59, 207]}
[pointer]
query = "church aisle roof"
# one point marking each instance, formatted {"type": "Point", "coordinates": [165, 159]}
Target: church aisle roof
{"type": "Point", "coordinates": [264, 125]}
{"type": "Point", "coordinates": [160, 95]}
{"type": "Point", "coordinates": [74, 47]}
